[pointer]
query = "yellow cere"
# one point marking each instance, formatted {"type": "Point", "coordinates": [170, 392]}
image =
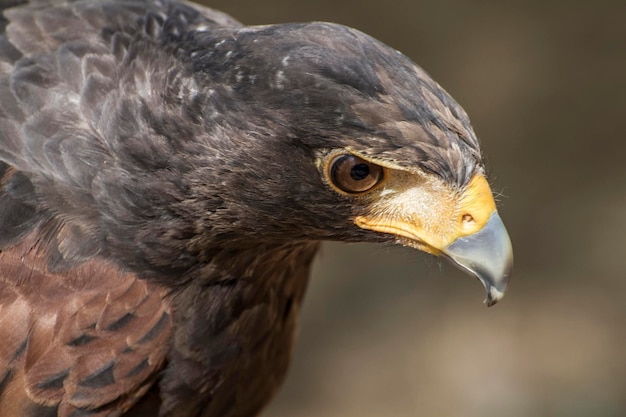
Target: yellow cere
{"type": "Point", "coordinates": [426, 213]}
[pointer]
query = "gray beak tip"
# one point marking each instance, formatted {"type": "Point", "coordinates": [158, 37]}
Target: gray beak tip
{"type": "Point", "coordinates": [488, 255]}
{"type": "Point", "coordinates": [493, 296]}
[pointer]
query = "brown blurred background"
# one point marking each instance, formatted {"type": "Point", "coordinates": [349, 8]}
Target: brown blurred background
{"type": "Point", "coordinates": [390, 332]}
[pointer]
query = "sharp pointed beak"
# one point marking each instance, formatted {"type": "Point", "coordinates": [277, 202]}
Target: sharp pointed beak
{"type": "Point", "coordinates": [488, 255]}
{"type": "Point", "coordinates": [461, 225]}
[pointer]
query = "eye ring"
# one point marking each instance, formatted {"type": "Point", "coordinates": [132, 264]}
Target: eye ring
{"type": "Point", "coordinates": [354, 175]}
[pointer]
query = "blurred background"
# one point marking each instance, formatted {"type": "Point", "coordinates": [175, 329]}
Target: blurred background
{"type": "Point", "coordinates": [387, 331]}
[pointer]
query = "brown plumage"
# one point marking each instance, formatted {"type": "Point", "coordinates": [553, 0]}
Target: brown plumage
{"type": "Point", "coordinates": [86, 337]}
{"type": "Point", "coordinates": [166, 176]}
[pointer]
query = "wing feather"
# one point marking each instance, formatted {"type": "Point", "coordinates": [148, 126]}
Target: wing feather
{"type": "Point", "coordinates": [87, 338]}
{"type": "Point", "coordinates": [81, 333]}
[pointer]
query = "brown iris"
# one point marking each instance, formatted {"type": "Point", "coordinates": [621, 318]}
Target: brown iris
{"type": "Point", "coordinates": [352, 174]}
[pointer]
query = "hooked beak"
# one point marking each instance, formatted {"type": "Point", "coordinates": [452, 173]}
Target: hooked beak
{"type": "Point", "coordinates": [488, 255]}
{"type": "Point", "coordinates": [465, 227]}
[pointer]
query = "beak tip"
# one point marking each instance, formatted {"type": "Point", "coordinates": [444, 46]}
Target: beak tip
{"type": "Point", "coordinates": [488, 255]}
{"type": "Point", "coordinates": [493, 296]}
{"type": "Point", "coordinates": [497, 288]}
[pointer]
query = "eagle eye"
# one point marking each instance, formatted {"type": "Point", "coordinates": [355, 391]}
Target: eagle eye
{"type": "Point", "coordinates": [354, 175]}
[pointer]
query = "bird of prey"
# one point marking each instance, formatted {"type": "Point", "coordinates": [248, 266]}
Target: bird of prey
{"type": "Point", "coordinates": [166, 177]}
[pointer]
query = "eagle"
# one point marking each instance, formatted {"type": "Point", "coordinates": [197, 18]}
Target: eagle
{"type": "Point", "coordinates": [166, 177]}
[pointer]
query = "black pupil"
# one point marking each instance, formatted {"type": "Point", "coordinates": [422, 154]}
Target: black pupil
{"type": "Point", "coordinates": [359, 172]}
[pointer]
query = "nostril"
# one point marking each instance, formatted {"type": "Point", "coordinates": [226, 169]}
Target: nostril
{"type": "Point", "coordinates": [467, 219]}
